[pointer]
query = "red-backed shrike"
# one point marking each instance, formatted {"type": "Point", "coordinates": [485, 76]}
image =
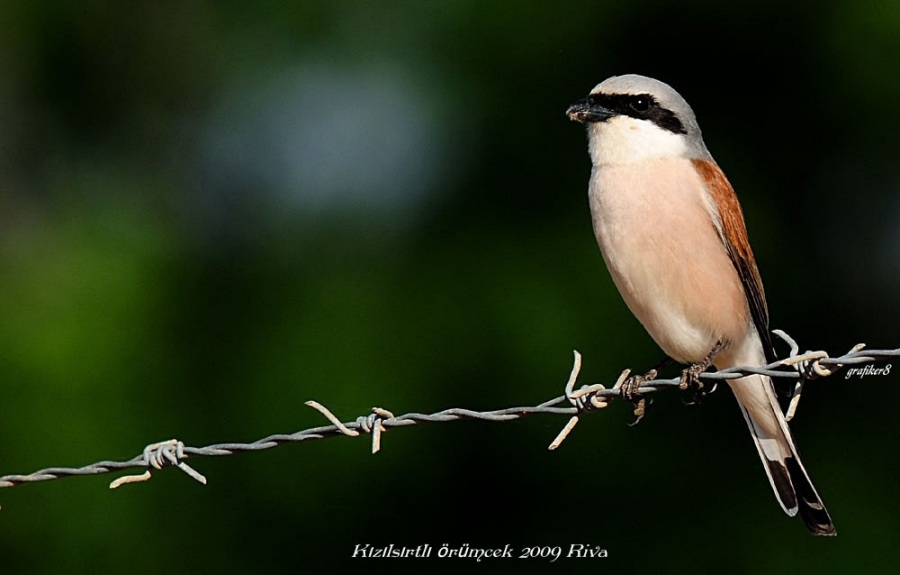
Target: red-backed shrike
{"type": "Point", "coordinates": [673, 237]}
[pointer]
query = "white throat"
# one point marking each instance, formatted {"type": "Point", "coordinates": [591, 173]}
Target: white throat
{"type": "Point", "coordinates": [625, 140]}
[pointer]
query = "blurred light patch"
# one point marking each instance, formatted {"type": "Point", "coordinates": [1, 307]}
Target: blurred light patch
{"type": "Point", "coordinates": [319, 137]}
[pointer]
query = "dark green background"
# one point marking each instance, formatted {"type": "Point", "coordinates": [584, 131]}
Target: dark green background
{"type": "Point", "coordinates": [211, 212]}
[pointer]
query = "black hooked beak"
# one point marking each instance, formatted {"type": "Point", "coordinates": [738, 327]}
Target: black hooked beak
{"type": "Point", "coordinates": [587, 111]}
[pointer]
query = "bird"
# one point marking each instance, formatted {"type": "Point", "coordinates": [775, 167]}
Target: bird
{"type": "Point", "coordinates": [673, 237]}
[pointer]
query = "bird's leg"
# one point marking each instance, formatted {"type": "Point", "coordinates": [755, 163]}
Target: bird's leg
{"type": "Point", "coordinates": [690, 377]}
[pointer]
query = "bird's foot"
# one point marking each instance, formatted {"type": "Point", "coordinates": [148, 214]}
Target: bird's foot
{"type": "Point", "coordinates": [633, 383]}
{"type": "Point", "coordinates": [690, 381]}
{"type": "Point", "coordinates": [629, 390]}
{"type": "Point", "coordinates": [690, 377]}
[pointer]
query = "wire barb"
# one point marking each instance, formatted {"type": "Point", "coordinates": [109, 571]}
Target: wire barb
{"type": "Point", "coordinates": [588, 398]}
{"type": "Point", "coordinates": [373, 424]}
{"type": "Point", "coordinates": [575, 398]}
{"type": "Point", "coordinates": [158, 455]}
{"type": "Point", "coordinates": [332, 418]}
{"type": "Point", "coordinates": [810, 366]}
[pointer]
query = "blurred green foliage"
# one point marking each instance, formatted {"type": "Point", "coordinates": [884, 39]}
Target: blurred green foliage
{"type": "Point", "coordinates": [211, 212]}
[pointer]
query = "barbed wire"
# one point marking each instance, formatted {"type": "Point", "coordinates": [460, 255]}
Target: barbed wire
{"type": "Point", "coordinates": [800, 367]}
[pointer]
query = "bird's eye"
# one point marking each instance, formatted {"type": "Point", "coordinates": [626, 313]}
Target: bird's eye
{"type": "Point", "coordinates": [640, 105]}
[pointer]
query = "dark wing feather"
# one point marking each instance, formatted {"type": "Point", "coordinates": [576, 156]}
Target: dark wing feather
{"type": "Point", "coordinates": [734, 234]}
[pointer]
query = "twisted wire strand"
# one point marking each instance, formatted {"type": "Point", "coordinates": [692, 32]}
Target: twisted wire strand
{"type": "Point", "coordinates": [801, 367]}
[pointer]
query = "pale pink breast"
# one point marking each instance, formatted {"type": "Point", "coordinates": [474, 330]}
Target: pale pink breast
{"type": "Point", "coordinates": [665, 255]}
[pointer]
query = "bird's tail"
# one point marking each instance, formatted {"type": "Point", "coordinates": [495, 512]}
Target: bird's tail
{"type": "Point", "coordinates": [779, 456]}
